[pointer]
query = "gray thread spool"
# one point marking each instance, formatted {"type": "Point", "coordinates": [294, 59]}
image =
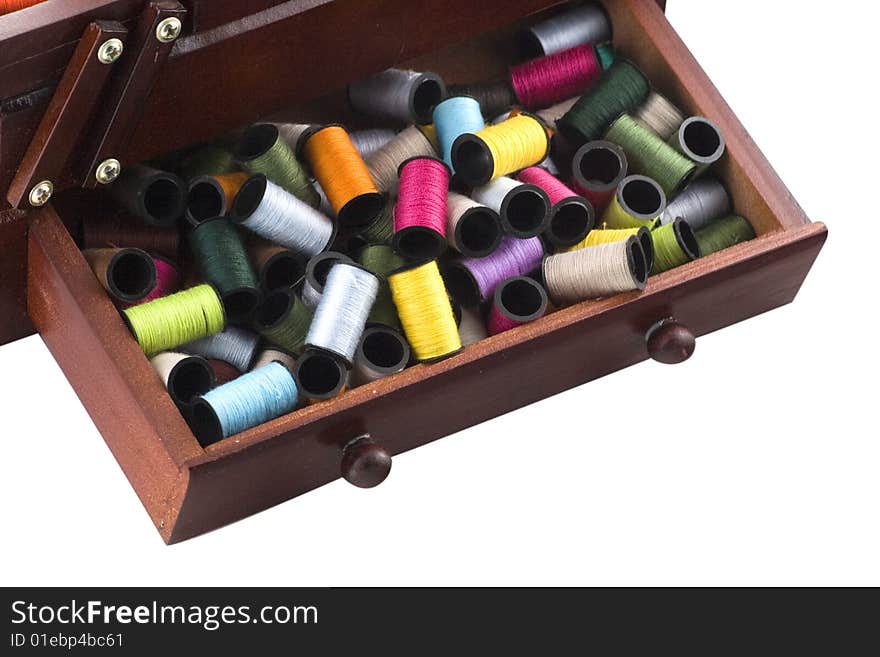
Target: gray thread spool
{"type": "Point", "coordinates": [233, 345]}
{"type": "Point", "coordinates": [382, 351]}
{"type": "Point", "coordinates": [293, 132]}
{"type": "Point", "coordinates": [405, 96]}
{"type": "Point", "coordinates": [317, 270]}
{"type": "Point", "coordinates": [369, 141]}
{"type": "Point", "coordinates": [319, 375]}
{"type": "Point", "coordinates": [586, 24]}
{"type": "Point", "coordinates": [700, 141]}
{"type": "Point", "coordinates": [384, 163]}
{"type": "Point", "coordinates": [699, 204]}
{"type": "Point", "coordinates": [472, 328]}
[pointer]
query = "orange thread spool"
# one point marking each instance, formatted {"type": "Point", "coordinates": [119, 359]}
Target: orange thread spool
{"type": "Point", "coordinates": [343, 175]}
{"type": "Point", "coordinates": [9, 6]}
{"type": "Point", "coordinates": [231, 183]}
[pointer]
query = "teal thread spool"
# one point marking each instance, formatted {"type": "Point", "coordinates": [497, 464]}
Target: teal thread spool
{"type": "Point", "coordinates": [674, 246]}
{"type": "Point", "coordinates": [606, 55]}
{"type": "Point", "coordinates": [647, 153]}
{"type": "Point", "coordinates": [724, 233]}
{"type": "Point", "coordinates": [263, 150]}
{"type": "Point", "coordinates": [622, 88]}
{"type": "Point", "coordinates": [381, 260]}
{"type": "Point", "coordinates": [224, 263]}
{"type": "Point", "coordinates": [284, 320]}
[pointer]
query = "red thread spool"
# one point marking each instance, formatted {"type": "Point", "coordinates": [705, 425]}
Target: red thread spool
{"type": "Point", "coordinates": [549, 80]}
{"type": "Point", "coordinates": [420, 213]}
{"type": "Point", "coordinates": [517, 301]}
{"type": "Point", "coordinates": [571, 217]}
{"type": "Point", "coordinates": [167, 279]}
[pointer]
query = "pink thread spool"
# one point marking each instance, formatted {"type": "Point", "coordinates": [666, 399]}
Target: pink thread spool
{"type": "Point", "coordinates": [571, 217]}
{"type": "Point", "coordinates": [597, 169]}
{"type": "Point", "coordinates": [549, 80]}
{"type": "Point", "coordinates": [420, 213]}
{"type": "Point", "coordinates": [167, 280]}
{"type": "Point", "coordinates": [516, 301]}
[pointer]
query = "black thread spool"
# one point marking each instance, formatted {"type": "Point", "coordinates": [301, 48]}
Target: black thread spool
{"type": "Point", "coordinates": [426, 91]}
{"type": "Point", "coordinates": [319, 375]}
{"type": "Point", "coordinates": [700, 141]}
{"type": "Point", "coordinates": [495, 97]}
{"type": "Point", "coordinates": [190, 377]}
{"type": "Point", "coordinates": [477, 232]}
{"type": "Point", "coordinates": [283, 320]}
{"type": "Point", "coordinates": [317, 270]}
{"type": "Point", "coordinates": [128, 274]}
{"type": "Point", "coordinates": [157, 197]}
{"type": "Point", "coordinates": [597, 169]}
{"type": "Point", "coordinates": [381, 352]}
{"type": "Point", "coordinates": [571, 220]}
{"type": "Point", "coordinates": [638, 262]}
{"type": "Point", "coordinates": [205, 199]}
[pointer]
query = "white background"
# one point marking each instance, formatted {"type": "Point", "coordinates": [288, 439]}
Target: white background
{"type": "Point", "coordinates": [765, 473]}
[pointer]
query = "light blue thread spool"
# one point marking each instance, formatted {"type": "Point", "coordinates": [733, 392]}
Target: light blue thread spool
{"type": "Point", "coordinates": [246, 402]}
{"type": "Point", "coordinates": [454, 117]}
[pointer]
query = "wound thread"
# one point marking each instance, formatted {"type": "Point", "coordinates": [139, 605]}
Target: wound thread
{"type": "Point", "coordinates": [167, 279]}
{"type": "Point", "coordinates": [292, 133]}
{"type": "Point", "coordinates": [571, 215]}
{"type": "Point", "coordinates": [232, 345]}
{"type": "Point", "coordinates": [548, 80]}
{"type": "Point", "coordinates": [699, 140]}
{"type": "Point", "coordinates": [550, 115]}
{"type": "Point", "coordinates": [283, 319]}
{"type": "Point", "coordinates": [472, 229]}
{"type": "Point", "coordinates": [524, 209]}
{"type": "Point", "coordinates": [598, 168]}
{"type": "Point", "coordinates": [157, 197]}
{"type": "Point", "coordinates": [471, 328]}
{"type": "Point", "coordinates": [517, 301]}
{"type": "Point", "coordinates": [262, 150]}
{"type": "Point", "coordinates": [231, 183]}
{"type": "Point", "coordinates": [659, 116]}
{"type": "Point", "coordinates": [494, 96]}
{"type": "Point", "coordinates": [270, 355]}
{"type": "Point", "coordinates": [584, 24]}
{"type": "Point", "coordinates": [381, 261]}
{"type": "Point", "coordinates": [381, 231]}
{"type": "Point", "coordinates": [639, 201]}
{"type": "Point", "coordinates": [454, 117]}
{"type": "Point", "coordinates": [121, 232]}
{"type": "Point", "coordinates": [205, 199]}
{"type": "Point", "coordinates": [382, 351]}
{"type": "Point", "coordinates": [420, 213]}
{"type": "Point", "coordinates": [674, 245]}
{"type": "Point", "coordinates": [700, 203]}
{"type": "Point", "coordinates": [207, 160]}
{"type": "Point", "coordinates": [597, 237]}
{"type": "Point", "coordinates": [183, 376]}
{"type": "Point", "coordinates": [385, 163]}
{"type": "Point", "coordinates": [369, 141]}
{"type": "Point", "coordinates": [274, 265]}
{"type": "Point", "coordinates": [317, 270]}
{"type": "Point", "coordinates": [405, 96]}
{"type": "Point", "coordinates": [129, 275]}
{"type": "Point", "coordinates": [723, 233]}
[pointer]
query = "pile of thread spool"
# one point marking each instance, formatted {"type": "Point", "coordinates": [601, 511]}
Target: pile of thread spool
{"type": "Point", "coordinates": [294, 261]}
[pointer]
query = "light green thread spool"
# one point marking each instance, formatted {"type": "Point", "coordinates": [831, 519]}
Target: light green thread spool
{"type": "Point", "coordinates": [647, 153]}
{"type": "Point", "coordinates": [168, 322]}
{"type": "Point", "coordinates": [674, 246]}
{"type": "Point", "coordinates": [382, 260]}
{"type": "Point", "coordinates": [639, 201]}
{"type": "Point", "coordinates": [724, 233]}
{"type": "Point", "coordinates": [284, 320]}
{"type": "Point", "coordinates": [262, 150]}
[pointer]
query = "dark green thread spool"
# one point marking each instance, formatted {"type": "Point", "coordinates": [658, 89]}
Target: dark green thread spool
{"type": "Point", "coordinates": [224, 263]}
{"type": "Point", "coordinates": [381, 231]}
{"type": "Point", "coordinates": [647, 153]}
{"type": "Point", "coordinates": [261, 149]}
{"type": "Point", "coordinates": [724, 233]}
{"type": "Point", "coordinates": [674, 246]}
{"type": "Point", "coordinates": [382, 260]}
{"type": "Point", "coordinates": [284, 320]}
{"type": "Point", "coordinates": [207, 161]}
{"type": "Point", "coordinates": [622, 88]}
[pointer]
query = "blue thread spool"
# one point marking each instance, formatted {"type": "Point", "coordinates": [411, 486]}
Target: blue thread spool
{"type": "Point", "coordinates": [454, 117]}
{"type": "Point", "coordinates": [246, 402]}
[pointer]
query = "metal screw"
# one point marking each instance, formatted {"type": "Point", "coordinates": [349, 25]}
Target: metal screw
{"type": "Point", "coordinates": [108, 171]}
{"type": "Point", "coordinates": [169, 29]}
{"type": "Point", "coordinates": [110, 51]}
{"type": "Point", "coordinates": [41, 193]}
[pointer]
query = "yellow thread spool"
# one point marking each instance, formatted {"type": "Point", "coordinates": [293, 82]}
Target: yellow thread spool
{"type": "Point", "coordinates": [639, 202]}
{"type": "Point", "coordinates": [425, 312]}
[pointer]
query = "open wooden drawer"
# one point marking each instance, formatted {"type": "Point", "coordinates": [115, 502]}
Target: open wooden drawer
{"type": "Point", "coordinates": [188, 490]}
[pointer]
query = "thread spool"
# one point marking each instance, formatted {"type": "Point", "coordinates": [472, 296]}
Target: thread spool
{"type": "Point", "coordinates": [454, 117]}
{"type": "Point", "coordinates": [639, 201]}
{"type": "Point", "coordinates": [343, 175]}
{"type": "Point", "coordinates": [550, 115]}
{"type": "Point", "coordinates": [598, 168]}
{"type": "Point", "coordinates": [420, 213]}
{"type": "Point", "coordinates": [292, 133]}
{"type": "Point", "coordinates": [231, 183]}
{"type": "Point", "coordinates": [224, 263]}
{"type": "Point", "coordinates": [223, 372]}
{"type": "Point", "coordinates": [700, 141]}
{"type": "Point", "coordinates": [381, 231]}
{"type": "Point", "coordinates": [606, 55]}
{"type": "Point", "coordinates": [723, 233]}
{"type": "Point", "coordinates": [659, 116]}
{"type": "Point", "coordinates": [622, 88]}
{"type": "Point", "coordinates": [271, 212]}
{"type": "Point", "coordinates": [381, 261]}
{"type": "Point", "coordinates": [232, 345]}
{"type": "Point", "coordinates": [597, 237]}
{"type": "Point", "coordinates": [116, 232]}
{"type": "Point", "coordinates": [650, 155]}
{"type": "Point", "coordinates": [371, 140]}
{"type": "Point", "coordinates": [498, 150]}
{"type": "Point", "coordinates": [584, 24]}
{"type": "Point", "coordinates": [700, 203]}
{"type": "Point", "coordinates": [320, 375]}
{"type": "Point", "coordinates": [472, 229]}
{"type": "Point", "coordinates": [250, 400]}
{"type": "Point", "coordinates": [471, 328]}
{"type": "Point", "coordinates": [551, 79]}
{"type": "Point", "coordinates": [516, 301]}
{"type": "Point", "coordinates": [473, 280]}
{"type": "Point", "coordinates": [324, 206]}
{"type": "Point", "coordinates": [210, 160]}
{"type": "Point", "coordinates": [600, 271]}
{"type": "Point", "coordinates": [129, 275]}
{"type": "Point", "coordinates": [385, 163]}
{"type": "Point", "coordinates": [272, 354]}
{"type": "Point", "coordinates": [524, 209]}
{"type": "Point", "coordinates": [571, 215]}
{"type": "Point", "coordinates": [342, 313]}
{"type": "Point", "coordinates": [494, 96]}
{"type": "Point", "coordinates": [157, 197]}
{"type": "Point", "coordinates": [283, 319]}
{"type": "Point", "coordinates": [168, 322]}
{"type": "Point", "coordinates": [262, 150]}
{"type": "Point", "coordinates": [183, 376]}
{"type": "Point", "coordinates": [205, 199]}
{"type": "Point", "coordinates": [425, 311]}
{"type": "Point", "coordinates": [381, 352]}
{"type": "Point", "coordinates": [275, 266]}
{"type": "Point", "coordinates": [167, 279]}
{"type": "Point", "coordinates": [674, 245]}
{"type": "Point", "coordinates": [317, 270]}
{"type": "Point", "coordinates": [405, 96]}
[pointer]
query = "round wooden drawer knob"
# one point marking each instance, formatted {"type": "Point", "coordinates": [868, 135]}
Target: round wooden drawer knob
{"type": "Point", "coordinates": [364, 463]}
{"type": "Point", "coordinates": [670, 342]}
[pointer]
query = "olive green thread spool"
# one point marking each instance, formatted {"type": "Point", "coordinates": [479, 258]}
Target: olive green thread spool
{"type": "Point", "coordinates": [724, 233]}
{"type": "Point", "coordinates": [207, 161]}
{"type": "Point", "coordinates": [648, 154]}
{"type": "Point", "coordinates": [639, 201]}
{"type": "Point", "coordinates": [224, 263]}
{"type": "Point", "coordinates": [261, 149]}
{"type": "Point", "coordinates": [381, 260]}
{"type": "Point", "coordinates": [284, 320]}
{"type": "Point", "coordinates": [381, 231]}
{"type": "Point", "coordinates": [674, 245]}
{"type": "Point", "coordinates": [700, 140]}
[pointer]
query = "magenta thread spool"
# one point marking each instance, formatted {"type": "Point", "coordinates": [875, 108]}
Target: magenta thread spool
{"type": "Point", "coordinates": [517, 301]}
{"type": "Point", "coordinates": [549, 80]}
{"type": "Point", "coordinates": [597, 169]}
{"type": "Point", "coordinates": [167, 279]}
{"type": "Point", "coordinates": [571, 217]}
{"type": "Point", "coordinates": [420, 213]}
{"type": "Point", "coordinates": [471, 281]}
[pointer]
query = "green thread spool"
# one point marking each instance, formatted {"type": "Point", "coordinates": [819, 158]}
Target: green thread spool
{"type": "Point", "coordinates": [724, 233]}
{"type": "Point", "coordinates": [284, 320]}
{"type": "Point", "coordinates": [224, 263]}
{"type": "Point", "coordinates": [647, 153]}
{"type": "Point", "coordinates": [622, 88]}
{"type": "Point", "coordinates": [606, 55]}
{"type": "Point", "coordinates": [674, 246]}
{"type": "Point", "coordinates": [382, 260]}
{"type": "Point", "coordinates": [639, 201]}
{"type": "Point", "coordinates": [263, 150]}
{"type": "Point", "coordinates": [207, 161]}
{"type": "Point", "coordinates": [382, 229]}
{"type": "Point", "coordinates": [168, 322]}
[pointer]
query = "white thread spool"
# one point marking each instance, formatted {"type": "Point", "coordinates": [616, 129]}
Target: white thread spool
{"type": "Point", "coordinates": [317, 270]}
{"type": "Point", "coordinates": [552, 114]}
{"type": "Point", "coordinates": [405, 96]}
{"type": "Point", "coordinates": [293, 132]}
{"type": "Point", "coordinates": [472, 328]}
